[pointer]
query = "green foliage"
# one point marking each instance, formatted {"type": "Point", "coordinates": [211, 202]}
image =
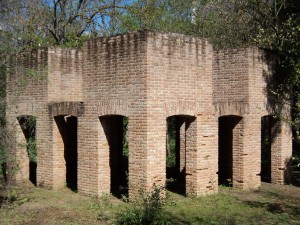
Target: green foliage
{"type": "Point", "coordinates": [31, 149]}
{"type": "Point", "coordinates": [171, 158]}
{"type": "Point", "coordinates": [147, 210]}
{"type": "Point", "coordinates": [125, 141]}
{"type": "Point", "coordinates": [171, 142]}
{"type": "Point", "coordinates": [162, 15]}
{"type": "Point", "coordinates": [28, 125]}
{"type": "Point", "coordinates": [296, 162]}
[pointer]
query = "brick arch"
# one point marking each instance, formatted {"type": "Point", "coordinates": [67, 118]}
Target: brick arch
{"type": "Point", "coordinates": [27, 109]}
{"type": "Point", "coordinates": [231, 108]}
{"type": "Point", "coordinates": [112, 107]}
{"type": "Point", "coordinates": [181, 107]}
{"type": "Point", "coordinates": [66, 108]}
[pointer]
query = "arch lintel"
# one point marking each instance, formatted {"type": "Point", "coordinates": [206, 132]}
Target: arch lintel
{"type": "Point", "coordinates": [182, 108]}
{"type": "Point", "coordinates": [231, 108]}
{"type": "Point", "coordinates": [66, 108]}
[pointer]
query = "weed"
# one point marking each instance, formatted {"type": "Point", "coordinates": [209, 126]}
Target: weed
{"type": "Point", "coordinates": [147, 210]}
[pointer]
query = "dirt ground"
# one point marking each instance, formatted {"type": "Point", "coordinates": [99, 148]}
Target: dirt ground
{"type": "Point", "coordinates": [27, 204]}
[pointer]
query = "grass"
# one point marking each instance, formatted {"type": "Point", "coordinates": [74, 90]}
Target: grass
{"type": "Point", "coordinates": [236, 207]}
{"type": "Point", "coordinates": [271, 204]}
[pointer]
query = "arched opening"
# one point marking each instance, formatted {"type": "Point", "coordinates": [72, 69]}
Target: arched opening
{"type": "Point", "coordinates": [268, 133]}
{"type": "Point", "coordinates": [229, 145]}
{"type": "Point", "coordinates": [115, 130]}
{"type": "Point", "coordinates": [180, 139]}
{"type": "Point", "coordinates": [67, 126]}
{"type": "Point", "coordinates": [28, 126]}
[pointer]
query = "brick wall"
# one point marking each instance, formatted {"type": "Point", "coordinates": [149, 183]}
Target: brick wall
{"type": "Point", "coordinates": [65, 75]}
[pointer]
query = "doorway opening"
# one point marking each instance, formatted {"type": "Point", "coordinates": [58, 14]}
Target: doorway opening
{"type": "Point", "coordinates": [115, 129]}
{"type": "Point", "coordinates": [67, 126]}
{"type": "Point", "coordinates": [179, 140]}
{"type": "Point", "coordinates": [268, 130]}
{"type": "Point", "coordinates": [28, 126]}
{"type": "Point", "coordinates": [229, 146]}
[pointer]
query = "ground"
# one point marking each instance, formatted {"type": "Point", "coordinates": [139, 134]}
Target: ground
{"type": "Point", "coordinates": [270, 204]}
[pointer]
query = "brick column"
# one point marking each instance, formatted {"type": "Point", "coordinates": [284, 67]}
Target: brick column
{"type": "Point", "coordinates": [206, 156]}
{"type": "Point", "coordinates": [281, 152]}
{"type": "Point", "coordinates": [191, 156]}
{"type": "Point", "coordinates": [44, 141]}
{"type": "Point", "coordinates": [181, 155]}
{"type": "Point", "coordinates": [251, 155]}
{"type": "Point", "coordinates": [139, 165]}
{"type": "Point", "coordinates": [93, 156]}
{"type": "Point", "coordinates": [59, 164]}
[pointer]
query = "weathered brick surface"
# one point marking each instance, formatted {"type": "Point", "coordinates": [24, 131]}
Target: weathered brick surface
{"type": "Point", "coordinates": [147, 77]}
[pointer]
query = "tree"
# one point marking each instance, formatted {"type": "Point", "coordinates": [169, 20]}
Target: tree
{"type": "Point", "coordinates": [59, 22]}
{"type": "Point", "coordinates": [158, 15]}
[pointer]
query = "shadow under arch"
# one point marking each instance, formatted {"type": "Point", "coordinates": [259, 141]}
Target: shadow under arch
{"type": "Point", "coordinates": [67, 126]}
{"type": "Point", "coordinates": [180, 139]}
{"type": "Point", "coordinates": [270, 128]}
{"type": "Point", "coordinates": [229, 145]}
{"type": "Point", "coordinates": [115, 130]}
{"type": "Point", "coordinates": [28, 126]}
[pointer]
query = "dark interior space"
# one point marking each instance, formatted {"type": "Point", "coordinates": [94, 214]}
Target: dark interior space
{"type": "Point", "coordinates": [267, 132]}
{"type": "Point", "coordinates": [227, 125]}
{"type": "Point", "coordinates": [115, 128]}
{"type": "Point", "coordinates": [176, 147]}
{"type": "Point", "coordinates": [4, 171]}
{"type": "Point", "coordinates": [67, 126]}
{"type": "Point", "coordinates": [28, 126]}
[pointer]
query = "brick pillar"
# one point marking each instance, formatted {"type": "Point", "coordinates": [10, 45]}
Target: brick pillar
{"type": "Point", "coordinates": [281, 152]}
{"type": "Point", "coordinates": [104, 169]}
{"type": "Point", "coordinates": [181, 132]}
{"type": "Point", "coordinates": [139, 164]}
{"type": "Point", "coordinates": [237, 151]}
{"type": "Point", "coordinates": [59, 164]}
{"type": "Point", "coordinates": [44, 141]}
{"type": "Point", "coordinates": [206, 156]}
{"type": "Point", "coordinates": [93, 156]}
{"type": "Point", "coordinates": [191, 181]}
{"type": "Point", "coordinates": [251, 152]}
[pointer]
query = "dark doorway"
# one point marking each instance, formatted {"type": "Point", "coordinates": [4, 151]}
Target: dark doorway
{"type": "Point", "coordinates": [115, 129]}
{"type": "Point", "coordinates": [228, 146]}
{"type": "Point", "coordinates": [67, 126]}
{"type": "Point", "coordinates": [268, 130]}
{"type": "Point", "coordinates": [176, 149]}
{"type": "Point", "coordinates": [28, 126]}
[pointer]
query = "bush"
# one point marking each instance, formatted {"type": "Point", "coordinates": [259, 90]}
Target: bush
{"type": "Point", "coordinates": [148, 210]}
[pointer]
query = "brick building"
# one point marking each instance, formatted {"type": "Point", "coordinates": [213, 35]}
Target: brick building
{"type": "Point", "coordinates": [79, 99]}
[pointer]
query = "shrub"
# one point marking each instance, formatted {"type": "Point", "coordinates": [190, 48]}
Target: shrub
{"type": "Point", "coordinates": [148, 210]}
